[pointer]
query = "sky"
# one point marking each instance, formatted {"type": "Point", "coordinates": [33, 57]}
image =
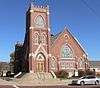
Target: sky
{"type": "Point", "coordinates": [82, 18]}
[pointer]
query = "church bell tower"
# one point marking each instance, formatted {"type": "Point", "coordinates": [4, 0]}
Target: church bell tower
{"type": "Point", "coordinates": [38, 38]}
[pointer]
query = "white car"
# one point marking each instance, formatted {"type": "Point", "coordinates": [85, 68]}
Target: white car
{"type": "Point", "coordinates": [87, 80]}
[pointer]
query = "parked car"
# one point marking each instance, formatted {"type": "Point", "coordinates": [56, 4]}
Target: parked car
{"type": "Point", "coordinates": [90, 79]}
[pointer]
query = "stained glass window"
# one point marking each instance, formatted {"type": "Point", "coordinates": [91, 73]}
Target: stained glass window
{"type": "Point", "coordinates": [35, 38]}
{"type": "Point", "coordinates": [39, 22]}
{"type": "Point", "coordinates": [40, 57]}
{"type": "Point", "coordinates": [81, 61]}
{"type": "Point", "coordinates": [53, 63]}
{"type": "Point", "coordinates": [43, 38]}
{"type": "Point", "coordinates": [66, 52]}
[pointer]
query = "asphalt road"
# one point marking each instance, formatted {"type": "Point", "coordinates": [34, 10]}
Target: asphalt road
{"type": "Point", "coordinates": [61, 86]}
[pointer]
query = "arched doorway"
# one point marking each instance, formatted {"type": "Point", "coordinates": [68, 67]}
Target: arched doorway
{"type": "Point", "coordinates": [40, 63]}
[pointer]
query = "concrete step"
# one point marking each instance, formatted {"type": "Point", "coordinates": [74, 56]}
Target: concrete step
{"type": "Point", "coordinates": [35, 77]}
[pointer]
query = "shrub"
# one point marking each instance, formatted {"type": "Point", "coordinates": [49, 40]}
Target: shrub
{"type": "Point", "coordinates": [62, 74]}
{"type": "Point", "coordinates": [89, 72]}
{"type": "Point", "coordinates": [98, 74]}
{"type": "Point", "coordinates": [8, 74]}
{"type": "Point", "coordinates": [1, 73]}
{"type": "Point", "coordinates": [81, 73]}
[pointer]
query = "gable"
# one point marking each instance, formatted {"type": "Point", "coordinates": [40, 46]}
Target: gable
{"type": "Point", "coordinates": [41, 49]}
{"type": "Point", "coordinates": [54, 37]}
{"type": "Point", "coordinates": [66, 37]}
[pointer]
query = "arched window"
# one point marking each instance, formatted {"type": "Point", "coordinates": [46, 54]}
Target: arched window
{"type": "Point", "coordinates": [40, 57]}
{"type": "Point", "coordinates": [39, 22]}
{"type": "Point", "coordinates": [81, 62]}
{"type": "Point", "coordinates": [35, 38]}
{"type": "Point", "coordinates": [66, 51]}
{"type": "Point", "coordinates": [43, 38]}
{"type": "Point", "coordinates": [53, 63]}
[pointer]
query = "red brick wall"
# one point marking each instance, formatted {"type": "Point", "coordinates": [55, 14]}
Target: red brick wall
{"type": "Point", "coordinates": [32, 47]}
{"type": "Point", "coordinates": [55, 48]}
{"type": "Point", "coordinates": [78, 52]}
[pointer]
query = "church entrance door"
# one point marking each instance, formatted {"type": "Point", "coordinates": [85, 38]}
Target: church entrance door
{"type": "Point", "coordinates": [40, 66]}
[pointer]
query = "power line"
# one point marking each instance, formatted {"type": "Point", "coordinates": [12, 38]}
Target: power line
{"type": "Point", "coordinates": [90, 8]}
{"type": "Point", "coordinates": [46, 2]}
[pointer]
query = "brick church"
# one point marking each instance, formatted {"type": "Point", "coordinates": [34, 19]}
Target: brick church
{"type": "Point", "coordinates": [45, 52]}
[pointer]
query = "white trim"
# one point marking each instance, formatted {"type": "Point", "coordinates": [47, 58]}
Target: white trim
{"type": "Point", "coordinates": [67, 61]}
{"type": "Point", "coordinates": [31, 27]}
{"type": "Point", "coordinates": [80, 45]}
{"type": "Point", "coordinates": [31, 54]}
{"type": "Point", "coordinates": [44, 52]}
{"type": "Point", "coordinates": [42, 57]}
{"type": "Point", "coordinates": [67, 68]}
{"type": "Point", "coordinates": [49, 29]}
{"type": "Point", "coordinates": [36, 52]}
{"type": "Point", "coordinates": [67, 58]}
{"type": "Point", "coordinates": [81, 68]}
{"type": "Point", "coordinates": [31, 10]}
{"type": "Point", "coordinates": [31, 71]}
{"type": "Point", "coordinates": [35, 43]}
{"type": "Point", "coordinates": [48, 12]}
{"type": "Point", "coordinates": [49, 55]}
{"type": "Point", "coordinates": [53, 68]}
{"type": "Point", "coordinates": [37, 28]}
{"type": "Point", "coordinates": [76, 41]}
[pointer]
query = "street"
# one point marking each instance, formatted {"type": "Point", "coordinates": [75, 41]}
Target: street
{"type": "Point", "coordinates": [56, 86]}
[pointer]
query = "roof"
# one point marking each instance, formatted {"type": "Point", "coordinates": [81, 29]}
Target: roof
{"type": "Point", "coordinates": [4, 66]}
{"type": "Point", "coordinates": [54, 37]}
{"type": "Point", "coordinates": [94, 64]}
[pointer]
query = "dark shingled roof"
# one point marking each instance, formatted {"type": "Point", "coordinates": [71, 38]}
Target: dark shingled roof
{"type": "Point", "coordinates": [54, 37]}
{"type": "Point", "coordinates": [94, 64]}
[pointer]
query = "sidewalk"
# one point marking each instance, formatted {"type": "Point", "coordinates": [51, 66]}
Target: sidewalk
{"type": "Point", "coordinates": [42, 82]}
{"type": "Point", "coordinates": [35, 82]}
